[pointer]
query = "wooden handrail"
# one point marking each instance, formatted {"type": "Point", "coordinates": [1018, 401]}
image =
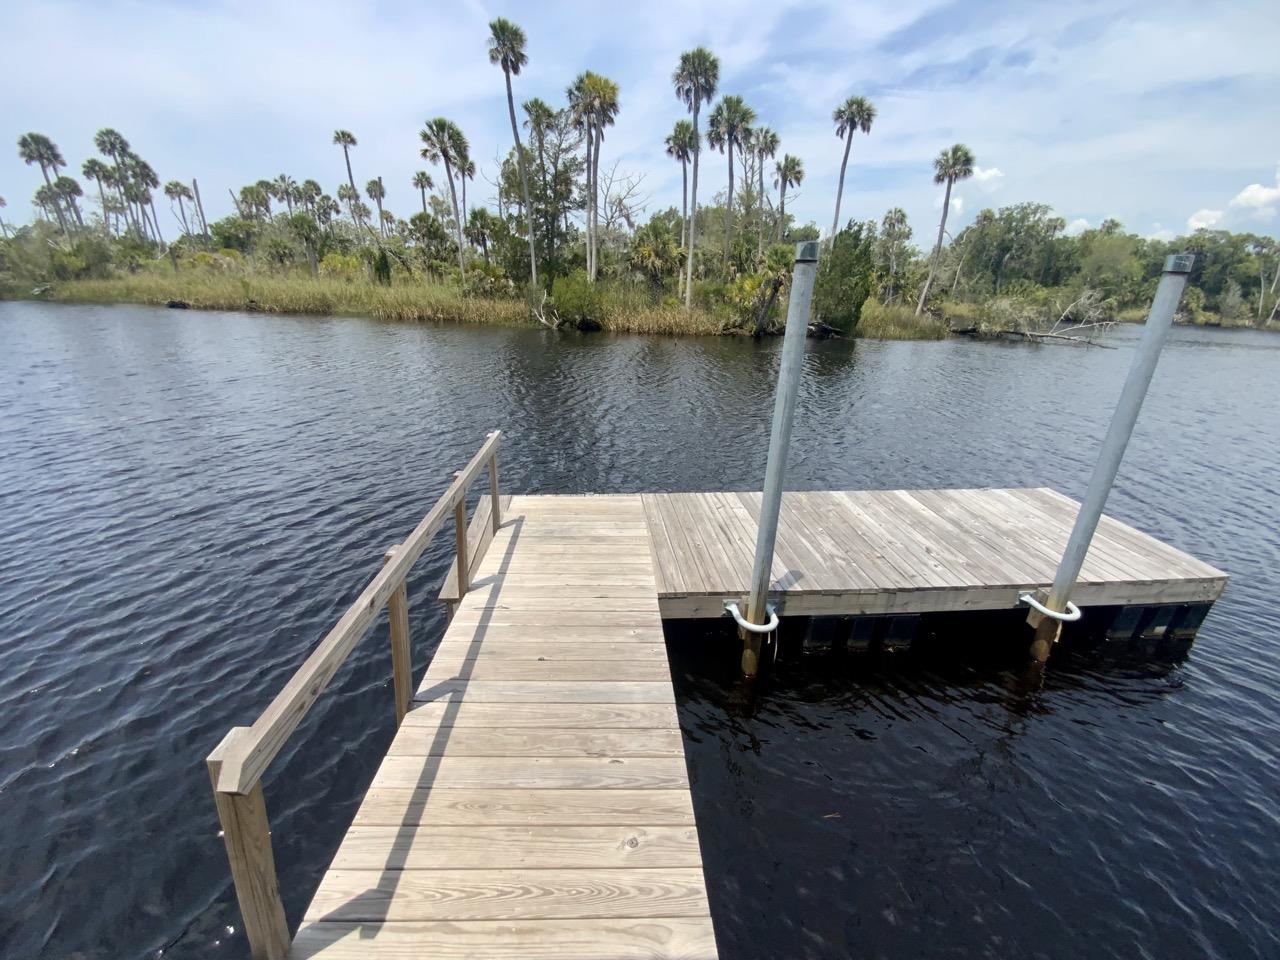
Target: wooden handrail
{"type": "Point", "coordinates": [246, 759]}
{"type": "Point", "coordinates": [237, 763]}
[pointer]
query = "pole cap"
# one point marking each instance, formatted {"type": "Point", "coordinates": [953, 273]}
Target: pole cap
{"type": "Point", "coordinates": [1179, 262]}
{"type": "Point", "coordinates": [807, 252]}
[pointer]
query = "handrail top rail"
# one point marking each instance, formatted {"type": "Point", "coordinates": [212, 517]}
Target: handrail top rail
{"type": "Point", "coordinates": [245, 752]}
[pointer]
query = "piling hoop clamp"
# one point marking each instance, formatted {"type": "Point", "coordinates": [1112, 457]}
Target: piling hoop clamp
{"type": "Point", "coordinates": [747, 625]}
{"type": "Point", "coordinates": [1071, 615]}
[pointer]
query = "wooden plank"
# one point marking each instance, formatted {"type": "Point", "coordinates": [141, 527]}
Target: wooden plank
{"type": "Point", "coordinates": [444, 807]}
{"type": "Point", "coordinates": [538, 691]}
{"type": "Point", "coordinates": [532, 773]}
{"type": "Point", "coordinates": [406, 895]}
{"type": "Point", "coordinates": [464, 741]}
{"type": "Point", "coordinates": [466, 647]}
{"type": "Point", "coordinates": [587, 716]}
{"type": "Point", "coordinates": [487, 668]}
{"type": "Point", "coordinates": [431, 847]}
{"type": "Point", "coordinates": [479, 537]}
{"type": "Point", "coordinates": [657, 938]}
{"type": "Point", "coordinates": [650, 632]}
{"type": "Point", "coordinates": [401, 649]}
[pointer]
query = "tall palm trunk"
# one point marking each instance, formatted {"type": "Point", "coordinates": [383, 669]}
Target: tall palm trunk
{"type": "Point", "coordinates": [183, 212]}
{"type": "Point", "coordinates": [156, 221]}
{"type": "Point", "coordinates": [591, 198]}
{"type": "Point", "coordinates": [457, 219]}
{"type": "Point", "coordinates": [684, 201]}
{"type": "Point", "coordinates": [424, 199]}
{"type": "Point", "coordinates": [102, 199]}
{"type": "Point", "coordinates": [595, 203]}
{"type": "Point", "coordinates": [835, 221]}
{"type": "Point", "coordinates": [204, 224]}
{"type": "Point", "coordinates": [524, 179]}
{"type": "Point", "coordinates": [728, 211]}
{"type": "Point", "coordinates": [937, 249]}
{"type": "Point", "coordinates": [782, 210]}
{"type": "Point", "coordinates": [53, 199]}
{"type": "Point", "coordinates": [693, 213]}
{"type": "Point", "coordinates": [382, 227]}
{"type": "Point", "coordinates": [346, 155]}
{"type": "Point", "coordinates": [760, 213]}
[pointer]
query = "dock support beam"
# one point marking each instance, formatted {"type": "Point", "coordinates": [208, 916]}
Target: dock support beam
{"type": "Point", "coordinates": [784, 408]}
{"type": "Point", "coordinates": [1154, 334]}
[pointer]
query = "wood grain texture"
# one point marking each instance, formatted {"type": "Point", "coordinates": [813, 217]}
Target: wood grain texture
{"type": "Point", "coordinates": [532, 773]}
{"type": "Point", "coordinates": [467, 741]}
{"type": "Point", "coordinates": [442, 806]}
{"type": "Point", "coordinates": [406, 895]}
{"type": "Point", "coordinates": [658, 938]}
{"type": "Point", "coordinates": [905, 551]}
{"type": "Point", "coordinates": [432, 847]}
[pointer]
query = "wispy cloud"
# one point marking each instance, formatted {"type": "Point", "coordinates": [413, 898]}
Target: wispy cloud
{"type": "Point", "coordinates": [1098, 107]}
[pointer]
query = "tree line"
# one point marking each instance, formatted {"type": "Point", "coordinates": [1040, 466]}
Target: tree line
{"type": "Point", "coordinates": [564, 209]}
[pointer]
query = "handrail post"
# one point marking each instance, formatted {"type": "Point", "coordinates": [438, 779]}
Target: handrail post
{"type": "Point", "coordinates": [495, 503]}
{"type": "Point", "coordinates": [460, 538]}
{"type": "Point", "coordinates": [247, 835]}
{"type": "Point", "coordinates": [401, 650]}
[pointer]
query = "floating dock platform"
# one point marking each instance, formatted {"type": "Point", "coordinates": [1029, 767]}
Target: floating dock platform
{"type": "Point", "coordinates": [535, 802]}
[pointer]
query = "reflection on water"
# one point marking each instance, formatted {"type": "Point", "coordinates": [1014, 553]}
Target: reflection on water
{"type": "Point", "coordinates": [189, 500]}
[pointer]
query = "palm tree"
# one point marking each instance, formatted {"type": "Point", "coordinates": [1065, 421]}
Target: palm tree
{"type": "Point", "coordinates": [68, 190]}
{"type": "Point", "coordinates": [593, 100]}
{"type": "Point", "coordinates": [729, 127]}
{"type": "Point", "coordinates": [466, 171]}
{"type": "Point", "coordinates": [36, 148]}
{"type": "Point", "coordinates": [480, 226]}
{"type": "Point", "coordinates": [422, 182]}
{"type": "Point", "coordinates": [894, 234]}
{"type": "Point", "coordinates": [682, 143]}
{"type": "Point", "coordinates": [695, 81]}
{"type": "Point", "coordinates": [95, 170]}
{"type": "Point", "coordinates": [539, 118]}
{"type": "Point", "coordinates": [346, 141]}
{"type": "Point", "coordinates": [954, 163]}
{"type": "Point", "coordinates": [350, 196]}
{"type": "Point", "coordinates": [285, 188]}
{"type": "Point", "coordinates": [764, 144]}
{"type": "Point", "coordinates": [440, 138]}
{"type": "Point", "coordinates": [789, 172]}
{"type": "Point", "coordinates": [3, 228]}
{"type": "Point", "coordinates": [854, 114]}
{"type": "Point", "coordinates": [177, 190]}
{"type": "Point", "coordinates": [111, 144]}
{"type": "Point", "coordinates": [506, 49]}
{"type": "Point", "coordinates": [377, 193]}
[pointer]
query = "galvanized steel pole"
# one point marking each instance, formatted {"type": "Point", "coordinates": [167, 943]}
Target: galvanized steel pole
{"type": "Point", "coordinates": [1159, 320]}
{"type": "Point", "coordinates": [784, 408]}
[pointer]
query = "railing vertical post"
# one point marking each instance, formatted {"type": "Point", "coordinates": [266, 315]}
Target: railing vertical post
{"type": "Point", "coordinates": [460, 538]}
{"type": "Point", "coordinates": [401, 651]}
{"type": "Point", "coordinates": [1143, 367]}
{"type": "Point", "coordinates": [247, 836]}
{"type": "Point", "coordinates": [784, 407]}
{"type": "Point", "coordinates": [495, 503]}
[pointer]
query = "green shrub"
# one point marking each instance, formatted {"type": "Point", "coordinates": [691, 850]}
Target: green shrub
{"type": "Point", "coordinates": [578, 301]}
{"type": "Point", "coordinates": [899, 322]}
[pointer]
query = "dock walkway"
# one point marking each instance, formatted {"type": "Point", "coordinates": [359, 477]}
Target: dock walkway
{"type": "Point", "coordinates": [534, 802]}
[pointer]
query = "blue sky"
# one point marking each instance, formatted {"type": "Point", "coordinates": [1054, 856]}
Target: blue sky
{"type": "Point", "coordinates": [1162, 114]}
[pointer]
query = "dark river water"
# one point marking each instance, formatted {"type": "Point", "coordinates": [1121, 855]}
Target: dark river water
{"type": "Point", "coordinates": [188, 500]}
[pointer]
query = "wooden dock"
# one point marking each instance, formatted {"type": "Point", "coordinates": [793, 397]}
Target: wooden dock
{"type": "Point", "coordinates": [875, 552]}
{"type": "Point", "coordinates": [534, 802]}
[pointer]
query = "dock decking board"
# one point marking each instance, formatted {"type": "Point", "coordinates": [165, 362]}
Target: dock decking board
{"type": "Point", "coordinates": [535, 801]}
{"type": "Point", "coordinates": [906, 551]}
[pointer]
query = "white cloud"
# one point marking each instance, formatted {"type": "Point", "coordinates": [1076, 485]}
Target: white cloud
{"type": "Point", "coordinates": [1203, 220]}
{"type": "Point", "coordinates": [988, 177]}
{"type": "Point", "coordinates": [1076, 227]}
{"type": "Point", "coordinates": [1159, 232]}
{"type": "Point", "coordinates": [1261, 200]}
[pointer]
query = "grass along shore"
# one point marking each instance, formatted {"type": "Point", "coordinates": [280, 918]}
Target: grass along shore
{"type": "Point", "coordinates": [409, 301]}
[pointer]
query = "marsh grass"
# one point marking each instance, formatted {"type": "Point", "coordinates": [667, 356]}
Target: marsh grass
{"type": "Point", "coordinates": [898, 322]}
{"type": "Point", "coordinates": [405, 301]}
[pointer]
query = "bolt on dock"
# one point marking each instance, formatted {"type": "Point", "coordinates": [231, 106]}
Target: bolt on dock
{"type": "Point", "coordinates": [535, 801]}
